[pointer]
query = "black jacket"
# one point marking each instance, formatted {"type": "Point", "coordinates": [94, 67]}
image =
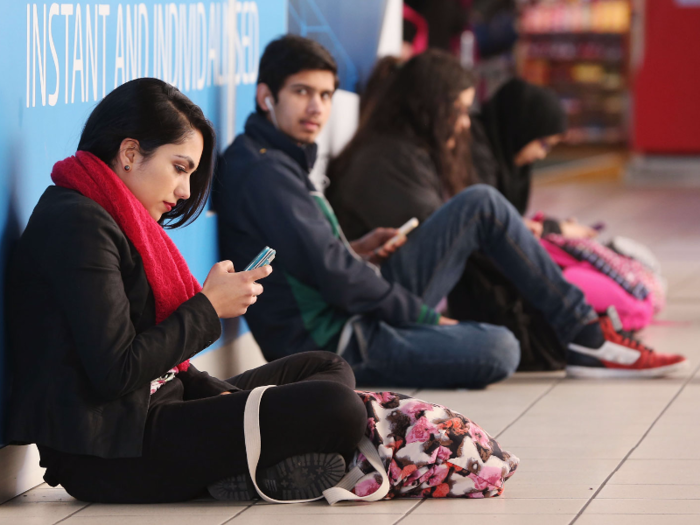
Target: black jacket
{"type": "Point", "coordinates": [387, 182]}
{"type": "Point", "coordinates": [83, 337]}
{"type": "Point", "coordinates": [264, 197]}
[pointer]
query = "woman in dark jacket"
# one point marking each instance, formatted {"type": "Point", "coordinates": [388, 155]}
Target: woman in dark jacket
{"type": "Point", "coordinates": [406, 159]}
{"type": "Point", "coordinates": [104, 316]}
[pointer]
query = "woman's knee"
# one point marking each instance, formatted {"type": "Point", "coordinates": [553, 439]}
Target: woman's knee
{"type": "Point", "coordinates": [478, 195]}
{"type": "Point", "coordinates": [343, 413]}
{"type": "Point", "coordinates": [331, 367]}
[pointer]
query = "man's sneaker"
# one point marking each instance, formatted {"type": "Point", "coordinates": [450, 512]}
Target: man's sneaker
{"type": "Point", "coordinates": [299, 477]}
{"type": "Point", "coordinates": [603, 351]}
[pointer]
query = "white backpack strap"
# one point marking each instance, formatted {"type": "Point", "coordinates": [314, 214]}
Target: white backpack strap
{"type": "Point", "coordinates": [341, 492]}
{"type": "Point", "coordinates": [346, 334]}
{"type": "Point", "coordinates": [251, 429]}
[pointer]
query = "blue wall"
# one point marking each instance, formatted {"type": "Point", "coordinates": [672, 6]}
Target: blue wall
{"type": "Point", "coordinates": [349, 29]}
{"type": "Point", "coordinates": [42, 109]}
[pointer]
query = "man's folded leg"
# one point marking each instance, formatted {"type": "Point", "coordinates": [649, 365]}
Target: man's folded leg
{"type": "Point", "coordinates": [466, 355]}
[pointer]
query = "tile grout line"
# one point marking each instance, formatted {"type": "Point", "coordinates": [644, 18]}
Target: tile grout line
{"type": "Point", "coordinates": [229, 520]}
{"type": "Point", "coordinates": [73, 514]}
{"type": "Point", "coordinates": [527, 409]}
{"type": "Point", "coordinates": [631, 451]}
{"type": "Point", "coordinates": [409, 512]}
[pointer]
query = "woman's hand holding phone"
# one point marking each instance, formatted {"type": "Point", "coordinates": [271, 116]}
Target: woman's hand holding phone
{"type": "Point", "coordinates": [231, 292]}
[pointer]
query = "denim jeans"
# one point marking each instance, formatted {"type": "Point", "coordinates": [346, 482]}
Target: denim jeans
{"type": "Point", "coordinates": [469, 354]}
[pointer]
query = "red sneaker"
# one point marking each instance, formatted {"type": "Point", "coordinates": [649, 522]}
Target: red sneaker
{"type": "Point", "coordinates": [620, 356]}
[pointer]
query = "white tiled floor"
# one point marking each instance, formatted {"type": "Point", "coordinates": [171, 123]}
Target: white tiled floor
{"type": "Point", "coordinates": [593, 452]}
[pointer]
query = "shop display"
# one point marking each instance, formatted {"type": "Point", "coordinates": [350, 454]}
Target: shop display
{"type": "Point", "coordinates": [580, 49]}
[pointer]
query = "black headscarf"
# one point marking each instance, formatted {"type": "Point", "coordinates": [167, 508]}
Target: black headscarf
{"type": "Point", "coordinates": [517, 114]}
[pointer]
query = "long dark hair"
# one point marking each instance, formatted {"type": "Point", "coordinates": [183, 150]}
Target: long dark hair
{"type": "Point", "coordinates": [154, 113]}
{"type": "Point", "coordinates": [418, 104]}
{"type": "Point", "coordinates": [378, 82]}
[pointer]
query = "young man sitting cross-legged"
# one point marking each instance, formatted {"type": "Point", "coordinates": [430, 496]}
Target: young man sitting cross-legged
{"type": "Point", "coordinates": [383, 296]}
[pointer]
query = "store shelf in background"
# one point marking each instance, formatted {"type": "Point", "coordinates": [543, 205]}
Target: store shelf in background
{"type": "Point", "coordinates": [603, 16]}
{"type": "Point", "coordinates": [574, 47]}
{"type": "Point", "coordinates": [580, 49]}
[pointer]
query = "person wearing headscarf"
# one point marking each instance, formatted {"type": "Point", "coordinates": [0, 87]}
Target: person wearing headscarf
{"type": "Point", "coordinates": [516, 127]}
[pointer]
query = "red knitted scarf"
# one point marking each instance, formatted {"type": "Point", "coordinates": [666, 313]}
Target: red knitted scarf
{"type": "Point", "coordinates": [166, 269]}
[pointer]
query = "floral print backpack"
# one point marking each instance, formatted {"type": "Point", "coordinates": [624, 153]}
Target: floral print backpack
{"type": "Point", "coordinates": [411, 449]}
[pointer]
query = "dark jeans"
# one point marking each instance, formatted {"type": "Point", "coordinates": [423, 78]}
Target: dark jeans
{"type": "Point", "coordinates": [191, 444]}
{"type": "Point", "coordinates": [470, 354]}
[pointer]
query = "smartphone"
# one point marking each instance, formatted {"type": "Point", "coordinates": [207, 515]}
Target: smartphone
{"type": "Point", "coordinates": [407, 228]}
{"type": "Point", "coordinates": [264, 258]}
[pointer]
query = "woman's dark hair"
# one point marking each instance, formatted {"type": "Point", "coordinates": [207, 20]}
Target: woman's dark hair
{"type": "Point", "coordinates": [154, 113]}
{"type": "Point", "coordinates": [378, 82]}
{"type": "Point", "coordinates": [419, 104]}
{"type": "Point", "coordinates": [287, 56]}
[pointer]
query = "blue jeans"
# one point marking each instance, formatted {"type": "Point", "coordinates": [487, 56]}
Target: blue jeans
{"type": "Point", "coordinates": [469, 354]}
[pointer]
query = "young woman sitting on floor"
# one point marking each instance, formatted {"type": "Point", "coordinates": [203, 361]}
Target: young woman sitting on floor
{"type": "Point", "coordinates": [105, 316]}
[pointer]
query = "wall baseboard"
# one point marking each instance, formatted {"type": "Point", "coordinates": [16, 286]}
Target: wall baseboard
{"type": "Point", "coordinates": [664, 170]}
{"type": "Point", "coordinates": [19, 470]}
{"type": "Point", "coordinates": [231, 359]}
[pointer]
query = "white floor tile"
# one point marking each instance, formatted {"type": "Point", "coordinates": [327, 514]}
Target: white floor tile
{"type": "Point", "coordinates": [44, 493]}
{"type": "Point", "coordinates": [650, 492]}
{"type": "Point", "coordinates": [321, 508]}
{"type": "Point", "coordinates": [496, 519]}
{"type": "Point", "coordinates": [204, 508]}
{"type": "Point", "coordinates": [301, 519]}
{"type": "Point", "coordinates": [592, 450]}
{"type": "Point", "coordinates": [635, 519]}
{"type": "Point", "coordinates": [25, 520]}
{"type": "Point", "coordinates": [643, 506]}
{"type": "Point", "coordinates": [658, 472]}
{"type": "Point", "coordinates": [49, 510]}
{"type": "Point", "coordinates": [500, 506]}
{"type": "Point", "coordinates": [187, 519]}
{"type": "Point", "coordinates": [560, 491]}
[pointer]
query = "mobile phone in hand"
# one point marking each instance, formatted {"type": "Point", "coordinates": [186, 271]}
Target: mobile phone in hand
{"type": "Point", "coordinates": [264, 258]}
{"type": "Point", "coordinates": [404, 230]}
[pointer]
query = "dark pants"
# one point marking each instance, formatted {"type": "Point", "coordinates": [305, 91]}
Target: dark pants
{"type": "Point", "coordinates": [191, 444]}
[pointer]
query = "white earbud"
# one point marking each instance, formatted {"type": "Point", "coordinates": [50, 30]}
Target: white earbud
{"type": "Point", "coordinates": [268, 103]}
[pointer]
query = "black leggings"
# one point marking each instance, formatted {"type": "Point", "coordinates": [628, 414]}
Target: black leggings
{"type": "Point", "coordinates": [191, 444]}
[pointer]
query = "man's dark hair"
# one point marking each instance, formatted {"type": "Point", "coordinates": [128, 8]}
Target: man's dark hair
{"type": "Point", "coordinates": [289, 55]}
{"type": "Point", "coordinates": [154, 113]}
